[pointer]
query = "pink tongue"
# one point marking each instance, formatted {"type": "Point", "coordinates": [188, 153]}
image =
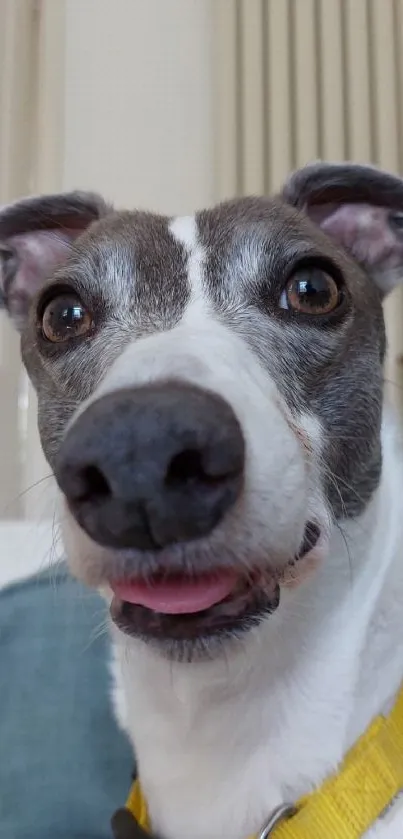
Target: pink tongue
{"type": "Point", "coordinates": [177, 595]}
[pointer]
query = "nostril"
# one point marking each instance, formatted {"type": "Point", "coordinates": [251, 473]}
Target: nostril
{"type": "Point", "coordinates": [186, 467]}
{"type": "Point", "coordinates": [92, 485]}
{"type": "Point", "coordinates": [152, 466]}
{"type": "Point", "coordinates": [194, 466]}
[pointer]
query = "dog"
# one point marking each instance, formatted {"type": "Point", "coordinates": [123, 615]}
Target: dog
{"type": "Point", "coordinates": [211, 402]}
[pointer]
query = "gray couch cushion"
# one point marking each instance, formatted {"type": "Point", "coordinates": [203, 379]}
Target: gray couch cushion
{"type": "Point", "coordinates": [65, 767]}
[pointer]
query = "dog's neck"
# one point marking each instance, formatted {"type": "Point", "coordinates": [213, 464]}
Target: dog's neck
{"type": "Point", "coordinates": [220, 744]}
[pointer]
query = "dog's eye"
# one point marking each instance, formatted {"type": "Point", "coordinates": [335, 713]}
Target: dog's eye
{"type": "Point", "coordinates": [311, 291]}
{"type": "Point", "coordinates": [396, 221]}
{"type": "Point", "coordinates": [65, 317]}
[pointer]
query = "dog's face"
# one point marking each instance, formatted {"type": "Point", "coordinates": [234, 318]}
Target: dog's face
{"type": "Point", "coordinates": [210, 388]}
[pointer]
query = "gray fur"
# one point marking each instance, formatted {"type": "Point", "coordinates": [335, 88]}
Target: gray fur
{"type": "Point", "coordinates": [71, 210]}
{"type": "Point", "coordinates": [323, 183]}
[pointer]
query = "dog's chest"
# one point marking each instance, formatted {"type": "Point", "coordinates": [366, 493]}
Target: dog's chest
{"type": "Point", "coordinates": [213, 769]}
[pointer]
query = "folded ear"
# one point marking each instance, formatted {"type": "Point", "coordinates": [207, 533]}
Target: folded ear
{"type": "Point", "coordinates": [36, 236]}
{"type": "Point", "coordinates": [361, 208]}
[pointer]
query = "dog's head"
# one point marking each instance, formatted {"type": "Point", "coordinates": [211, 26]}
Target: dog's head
{"type": "Point", "coordinates": [210, 388]}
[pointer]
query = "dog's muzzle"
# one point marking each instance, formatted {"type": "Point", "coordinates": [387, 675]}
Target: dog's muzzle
{"type": "Point", "coordinates": [148, 467]}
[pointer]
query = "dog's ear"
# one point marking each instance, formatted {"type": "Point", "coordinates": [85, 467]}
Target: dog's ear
{"type": "Point", "coordinates": [361, 208]}
{"type": "Point", "coordinates": [36, 237]}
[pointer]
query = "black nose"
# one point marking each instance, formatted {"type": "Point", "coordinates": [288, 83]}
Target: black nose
{"type": "Point", "coordinates": [151, 466]}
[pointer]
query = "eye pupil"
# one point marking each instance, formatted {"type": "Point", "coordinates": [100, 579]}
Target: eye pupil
{"type": "Point", "coordinates": [64, 318]}
{"type": "Point", "coordinates": [312, 291]}
{"type": "Point", "coordinates": [71, 315]}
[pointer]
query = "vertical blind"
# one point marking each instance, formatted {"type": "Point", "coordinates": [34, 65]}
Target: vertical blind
{"type": "Point", "coordinates": [18, 27]}
{"type": "Point", "coordinates": [305, 79]}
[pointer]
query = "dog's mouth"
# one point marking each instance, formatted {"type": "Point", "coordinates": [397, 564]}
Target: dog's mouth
{"type": "Point", "coordinates": [181, 608]}
{"type": "Point", "coordinates": [168, 608]}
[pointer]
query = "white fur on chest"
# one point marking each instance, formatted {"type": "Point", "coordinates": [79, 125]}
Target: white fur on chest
{"type": "Point", "coordinates": [220, 744]}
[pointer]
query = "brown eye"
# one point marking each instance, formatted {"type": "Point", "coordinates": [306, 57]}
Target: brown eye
{"type": "Point", "coordinates": [395, 220]}
{"type": "Point", "coordinates": [64, 318]}
{"type": "Point", "coordinates": [311, 291]}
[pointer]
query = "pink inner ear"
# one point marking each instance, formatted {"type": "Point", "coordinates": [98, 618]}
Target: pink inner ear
{"type": "Point", "coordinates": [366, 232]}
{"type": "Point", "coordinates": [38, 254]}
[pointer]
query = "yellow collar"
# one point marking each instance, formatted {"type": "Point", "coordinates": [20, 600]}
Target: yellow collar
{"type": "Point", "coordinates": [349, 802]}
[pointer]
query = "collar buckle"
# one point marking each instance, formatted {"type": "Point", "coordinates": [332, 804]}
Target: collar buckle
{"type": "Point", "coordinates": [280, 814]}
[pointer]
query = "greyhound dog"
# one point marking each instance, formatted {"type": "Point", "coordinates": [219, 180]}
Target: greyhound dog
{"type": "Point", "coordinates": [210, 394]}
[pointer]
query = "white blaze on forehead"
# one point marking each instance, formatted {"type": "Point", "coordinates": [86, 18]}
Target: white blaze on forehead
{"type": "Point", "coordinates": [185, 231]}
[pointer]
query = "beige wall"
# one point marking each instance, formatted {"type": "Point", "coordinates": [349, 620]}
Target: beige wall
{"type": "Point", "coordinates": [126, 100]}
{"type": "Point", "coordinates": [138, 109]}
